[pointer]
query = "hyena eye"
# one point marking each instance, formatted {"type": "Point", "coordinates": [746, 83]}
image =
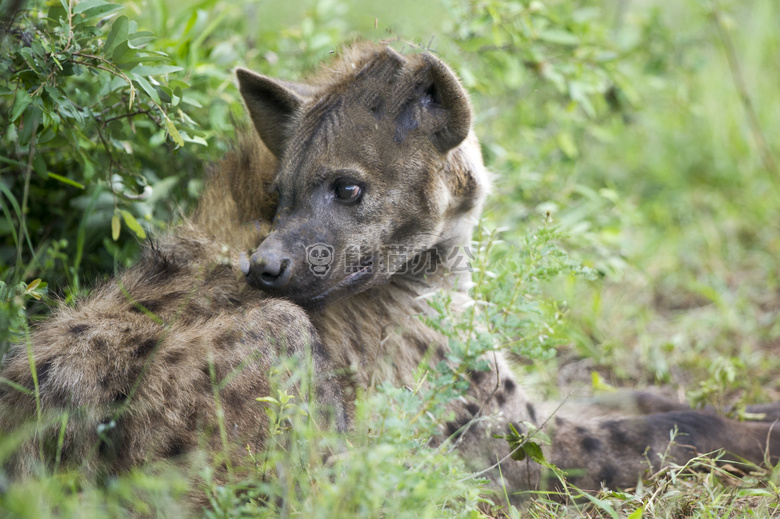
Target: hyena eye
{"type": "Point", "coordinates": [347, 191]}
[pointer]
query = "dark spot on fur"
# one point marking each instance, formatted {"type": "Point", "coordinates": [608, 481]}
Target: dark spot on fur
{"type": "Point", "coordinates": [531, 411]}
{"type": "Point", "coordinates": [134, 372]}
{"type": "Point", "coordinates": [617, 435]}
{"type": "Point", "coordinates": [559, 421]}
{"type": "Point", "coordinates": [226, 340]}
{"type": "Point", "coordinates": [192, 422]}
{"type": "Point", "coordinates": [420, 346]}
{"type": "Point", "coordinates": [155, 306]}
{"type": "Point", "coordinates": [509, 385]}
{"type": "Point", "coordinates": [456, 428]}
{"type": "Point", "coordinates": [43, 371]}
{"type": "Point", "coordinates": [175, 448]}
{"type": "Point", "coordinates": [478, 376]}
{"type": "Point", "coordinates": [319, 351]}
{"type": "Point", "coordinates": [120, 397]}
{"type": "Point", "coordinates": [145, 348]}
{"type": "Point", "coordinates": [472, 408]}
{"type": "Point", "coordinates": [160, 265]}
{"type": "Point", "coordinates": [500, 398]}
{"type": "Point", "coordinates": [590, 444]}
{"type": "Point", "coordinates": [285, 318]}
{"type": "Point", "coordinates": [174, 356]}
{"type": "Point", "coordinates": [607, 475]}
{"type": "Point", "coordinates": [220, 274]}
{"type": "Point", "coordinates": [99, 343]}
{"type": "Point", "coordinates": [233, 399]}
{"type": "Point", "coordinates": [150, 305]}
{"type": "Point", "coordinates": [78, 329]}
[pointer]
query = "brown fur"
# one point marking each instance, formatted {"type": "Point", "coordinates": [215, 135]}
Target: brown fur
{"type": "Point", "coordinates": [159, 353]}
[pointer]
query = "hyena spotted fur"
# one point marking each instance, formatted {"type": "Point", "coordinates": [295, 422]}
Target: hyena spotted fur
{"type": "Point", "coordinates": [375, 150]}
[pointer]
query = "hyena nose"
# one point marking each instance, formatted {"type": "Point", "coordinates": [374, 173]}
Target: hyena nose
{"type": "Point", "coordinates": [268, 270]}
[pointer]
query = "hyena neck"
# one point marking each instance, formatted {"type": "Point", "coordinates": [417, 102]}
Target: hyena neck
{"type": "Point", "coordinates": [446, 265]}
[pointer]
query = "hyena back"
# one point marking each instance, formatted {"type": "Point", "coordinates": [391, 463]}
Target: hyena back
{"type": "Point", "coordinates": [375, 151]}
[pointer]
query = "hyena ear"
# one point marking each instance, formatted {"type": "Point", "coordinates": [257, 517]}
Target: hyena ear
{"type": "Point", "coordinates": [271, 105]}
{"type": "Point", "coordinates": [451, 110]}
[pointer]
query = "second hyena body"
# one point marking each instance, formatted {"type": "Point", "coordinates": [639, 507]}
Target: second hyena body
{"type": "Point", "coordinates": [375, 152]}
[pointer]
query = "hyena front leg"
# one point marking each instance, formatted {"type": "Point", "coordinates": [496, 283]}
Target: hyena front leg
{"type": "Point", "coordinates": [127, 389]}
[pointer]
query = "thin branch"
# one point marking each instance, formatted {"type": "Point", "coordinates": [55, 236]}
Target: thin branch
{"type": "Point", "coordinates": [131, 114]}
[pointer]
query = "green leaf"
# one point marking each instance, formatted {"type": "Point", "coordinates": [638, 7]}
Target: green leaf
{"type": "Point", "coordinates": [116, 36]}
{"type": "Point", "coordinates": [567, 145]}
{"type": "Point", "coordinates": [40, 166]}
{"type": "Point", "coordinates": [141, 38]}
{"type": "Point", "coordinates": [603, 504]}
{"type": "Point", "coordinates": [156, 70]}
{"type": "Point", "coordinates": [193, 139]}
{"type": "Point", "coordinates": [637, 514]}
{"type": "Point", "coordinates": [146, 86]}
{"type": "Point", "coordinates": [32, 118]}
{"type": "Point", "coordinates": [33, 284]}
{"type": "Point", "coordinates": [116, 227]}
{"type": "Point", "coordinates": [23, 99]}
{"type": "Point", "coordinates": [87, 5]}
{"type": "Point", "coordinates": [559, 36]}
{"type": "Point", "coordinates": [173, 132]}
{"type": "Point", "coordinates": [122, 53]}
{"type": "Point", "coordinates": [94, 9]}
{"type": "Point", "coordinates": [65, 180]}
{"type": "Point", "coordinates": [133, 224]}
{"type": "Point", "coordinates": [534, 451]}
{"type": "Point", "coordinates": [599, 385]}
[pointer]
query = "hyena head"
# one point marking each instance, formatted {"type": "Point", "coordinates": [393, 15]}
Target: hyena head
{"type": "Point", "coordinates": [377, 164]}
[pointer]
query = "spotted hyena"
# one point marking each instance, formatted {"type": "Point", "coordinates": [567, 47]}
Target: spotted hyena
{"type": "Point", "coordinates": [286, 258]}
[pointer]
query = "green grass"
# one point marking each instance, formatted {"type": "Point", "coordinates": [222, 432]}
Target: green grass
{"type": "Point", "coordinates": [627, 128]}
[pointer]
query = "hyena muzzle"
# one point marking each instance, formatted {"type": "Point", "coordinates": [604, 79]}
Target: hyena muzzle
{"type": "Point", "coordinates": [373, 155]}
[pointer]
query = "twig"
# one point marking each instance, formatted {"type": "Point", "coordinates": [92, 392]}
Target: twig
{"type": "Point", "coordinates": [26, 195]}
{"type": "Point", "coordinates": [739, 82]}
{"type": "Point", "coordinates": [70, 26]}
{"type": "Point", "coordinates": [130, 114]}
